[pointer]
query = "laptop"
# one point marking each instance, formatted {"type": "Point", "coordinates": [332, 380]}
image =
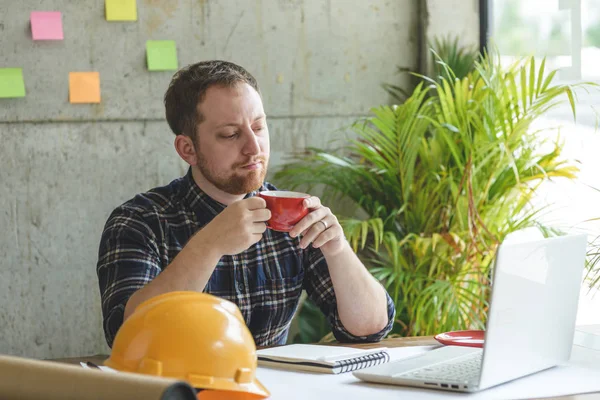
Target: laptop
{"type": "Point", "coordinates": [530, 325]}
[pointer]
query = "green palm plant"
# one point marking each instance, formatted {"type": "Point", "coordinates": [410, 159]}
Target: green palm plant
{"type": "Point", "coordinates": [446, 55]}
{"type": "Point", "coordinates": [592, 276]}
{"type": "Point", "coordinates": [438, 182]}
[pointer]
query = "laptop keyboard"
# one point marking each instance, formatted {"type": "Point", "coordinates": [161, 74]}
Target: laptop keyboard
{"type": "Point", "coordinates": [464, 369]}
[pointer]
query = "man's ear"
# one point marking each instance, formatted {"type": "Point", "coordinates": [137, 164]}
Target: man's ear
{"type": "Point", "coordinates": [186, 150]}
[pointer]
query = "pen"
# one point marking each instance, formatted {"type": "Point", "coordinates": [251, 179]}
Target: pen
{"type": "Point", "coordinates": [92, 365]}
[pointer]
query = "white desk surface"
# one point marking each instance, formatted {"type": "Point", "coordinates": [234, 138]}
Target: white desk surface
{"type": "Point", "coordinates": [582, 375]}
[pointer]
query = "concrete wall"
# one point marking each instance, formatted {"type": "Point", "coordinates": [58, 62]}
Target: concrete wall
{"type": "Point", "coordinates": [454, 17]}
{"type": "Point", "coordinates": [63, 167]}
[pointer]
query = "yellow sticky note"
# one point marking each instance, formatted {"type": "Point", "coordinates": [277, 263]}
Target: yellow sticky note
{"type": "Point", "coordinates": [84, 87]}
{"type": "Point", "coordinates": [121, 10]}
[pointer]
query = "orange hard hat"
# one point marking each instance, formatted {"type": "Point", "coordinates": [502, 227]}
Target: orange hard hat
{"type": "Point", "coordinates": [191, 336]}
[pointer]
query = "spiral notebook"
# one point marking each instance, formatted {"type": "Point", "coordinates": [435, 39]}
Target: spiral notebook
{"type": "Point", "coordinates": [317, 358]}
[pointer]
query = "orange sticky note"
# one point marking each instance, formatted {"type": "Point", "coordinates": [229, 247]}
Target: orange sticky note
{"type": "Point", "coordinates": [84, 87]}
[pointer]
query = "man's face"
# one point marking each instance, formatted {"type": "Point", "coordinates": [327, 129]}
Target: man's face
{"type": "Point", "coordinates": [232, 142]}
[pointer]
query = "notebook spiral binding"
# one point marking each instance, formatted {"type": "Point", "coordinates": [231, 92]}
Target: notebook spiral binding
{"type": "Point", "coordinates": [362, 362]}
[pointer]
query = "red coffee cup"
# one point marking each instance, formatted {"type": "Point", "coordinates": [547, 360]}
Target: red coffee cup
{"type": "Point", "coordinates": [287, 208]}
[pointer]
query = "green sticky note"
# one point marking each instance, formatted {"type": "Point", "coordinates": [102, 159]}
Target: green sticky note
{"type": "Point", "coordinates": [161, 55]}
{"type": "Point", "coordinates": [11, 83]}
{"type": "Point", "coordinates": [121, 10]}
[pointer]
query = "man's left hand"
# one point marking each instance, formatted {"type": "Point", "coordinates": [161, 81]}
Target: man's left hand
{"type": "Point", "coordinates": [321, 228]}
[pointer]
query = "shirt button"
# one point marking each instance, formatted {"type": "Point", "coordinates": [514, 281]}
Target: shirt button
{"type": "Point", "coordinates": [239, 286]}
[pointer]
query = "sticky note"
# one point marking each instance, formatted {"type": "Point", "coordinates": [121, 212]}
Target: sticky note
{"type": "Point", "coordinates": [121, 10]}
{"type": "Point", "coordinates": [46, 25]}
{"type": "Point", "coordinates": [84, 87]}
{"type": "Point", "coordinates": [11, 83]}
{"type": "Point", "coordinates": [161, 55]}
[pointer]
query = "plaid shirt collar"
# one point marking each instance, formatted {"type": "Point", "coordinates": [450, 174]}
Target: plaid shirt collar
{"type": "Point", "coordinates": [200, 202]}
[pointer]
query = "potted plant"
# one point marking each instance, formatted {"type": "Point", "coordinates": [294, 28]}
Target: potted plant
{"type": "Point", "coordinates": [438, 181]}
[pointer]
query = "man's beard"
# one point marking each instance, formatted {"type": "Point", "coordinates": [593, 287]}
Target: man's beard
{"type": "Point", "coordinates": [231, 182]}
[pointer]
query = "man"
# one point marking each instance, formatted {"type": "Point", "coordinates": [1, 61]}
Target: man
{"type": "Point", "coordinates": [206, 231]}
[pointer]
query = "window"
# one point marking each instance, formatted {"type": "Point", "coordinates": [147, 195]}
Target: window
{"type": "Point", "coordinates": [567, 33]}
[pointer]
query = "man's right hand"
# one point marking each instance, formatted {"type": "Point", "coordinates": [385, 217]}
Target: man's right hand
{"type": "Point", "coordinates": [237, 227]}
{"type": "Point", "coordinates": [234, 230]}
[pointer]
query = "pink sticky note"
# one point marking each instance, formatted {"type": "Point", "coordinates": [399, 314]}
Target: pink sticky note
{"type": "Point", "coordinates": [46, 25]}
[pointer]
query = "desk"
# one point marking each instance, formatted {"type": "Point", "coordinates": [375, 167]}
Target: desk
{"type": "Point", "coordinates": [391, 343]}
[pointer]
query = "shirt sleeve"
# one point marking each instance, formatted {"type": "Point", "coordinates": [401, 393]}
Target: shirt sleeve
{"type": "Point", "coordinates": [319, 288]}
{"type": "Point", "coordinates": [127, 260]}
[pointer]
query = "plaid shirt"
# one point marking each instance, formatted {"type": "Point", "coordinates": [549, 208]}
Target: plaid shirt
{"type": "Point", "coordinates": [143, 236]}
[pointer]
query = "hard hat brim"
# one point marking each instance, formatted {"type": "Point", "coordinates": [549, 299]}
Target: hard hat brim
{"type": "Point", "coordinates": [209, 394]}
{"type": "Point", "coordinates": [255, 387]}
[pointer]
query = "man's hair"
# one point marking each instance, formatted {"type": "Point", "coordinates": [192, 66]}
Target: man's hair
{"type": "Point", "coordinates": [188, 88]}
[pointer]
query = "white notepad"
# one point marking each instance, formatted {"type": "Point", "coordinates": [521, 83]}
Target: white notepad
{"type": "Point", "coordinates": [316, 358]}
